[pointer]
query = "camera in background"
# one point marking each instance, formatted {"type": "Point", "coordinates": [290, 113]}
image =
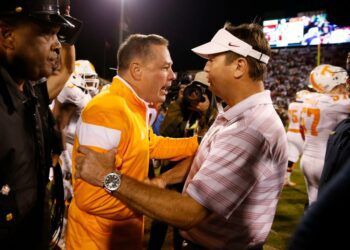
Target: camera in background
{"type": "Point", "coordinates": [175, 89]}
{"type": "Point", "coordinates": [195, 91]}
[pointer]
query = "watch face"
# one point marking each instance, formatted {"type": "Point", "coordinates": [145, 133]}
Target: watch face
{"type": "Point", "coordinates": [112, 181]}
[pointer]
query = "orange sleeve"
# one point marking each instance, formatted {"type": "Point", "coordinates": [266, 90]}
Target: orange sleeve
{"type": "Point", "coordinates": [171, 148]}
{"type": "Point", "coordinates": [98, 202]}
{"type": "Point", "coordinates": [101, 129]}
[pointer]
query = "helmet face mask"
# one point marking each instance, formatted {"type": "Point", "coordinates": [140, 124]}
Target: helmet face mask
{"type": "Point", "coordinates": [92, 83]}
{"type": "Point", "coordinates": [85, 77]}
{"type": "Point", "coordinates": [325, 77]}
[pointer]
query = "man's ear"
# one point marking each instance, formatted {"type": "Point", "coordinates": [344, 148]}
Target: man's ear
{"type": "Point", "coordinates": [136, 70]}
{"type": "Point", "coordinates": [240, 67]}
{"type": "Point", "coordinates": [6, 36]}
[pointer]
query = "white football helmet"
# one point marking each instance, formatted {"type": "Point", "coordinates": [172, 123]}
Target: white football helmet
{"type": "Point", "coordinates": [325, 77]}
{"type": "Point", "coordinates": [85, 77]}
{"type": "Point", "coordinates": [301, 95]}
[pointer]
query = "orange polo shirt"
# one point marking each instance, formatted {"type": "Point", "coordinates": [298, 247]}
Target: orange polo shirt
{"type": "Point", "coordinates": [116, 118]}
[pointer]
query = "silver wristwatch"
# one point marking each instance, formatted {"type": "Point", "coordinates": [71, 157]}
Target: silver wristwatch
{"type": "Point", "coordinates": [112, 181]}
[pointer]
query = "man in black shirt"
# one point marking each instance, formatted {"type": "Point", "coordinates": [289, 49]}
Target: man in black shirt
{"type": "Point", "coordinates": [29, 51]}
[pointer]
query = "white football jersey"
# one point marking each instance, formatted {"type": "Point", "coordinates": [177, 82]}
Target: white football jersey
{"type": "Point", "coordinates": [295, 141]}
{"type": "Point", "coordinates": [294, 110]}
{"type": "Point", "coordinates": [73, 95]}
{"type": "Point", "coordinates": [319, 116]}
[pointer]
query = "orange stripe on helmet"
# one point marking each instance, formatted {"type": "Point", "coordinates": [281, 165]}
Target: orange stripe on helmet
{"type": "Point", "coordinates": [315, 85]}
{"type": "Point", "coordinates": [327, 69]}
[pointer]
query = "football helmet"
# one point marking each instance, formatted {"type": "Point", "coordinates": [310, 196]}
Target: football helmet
{"type": "Point", "coordinates": [325, 77]}
{"type": "Point", "coordinates": [85, 77]}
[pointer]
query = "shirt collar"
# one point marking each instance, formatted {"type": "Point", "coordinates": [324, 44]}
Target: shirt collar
{"type": "Point", "coordinates": [250, 102]}
{"type": "Point", "coordinates": [139, 99]}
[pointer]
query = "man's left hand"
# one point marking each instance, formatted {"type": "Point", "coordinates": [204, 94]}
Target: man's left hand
{"type": "Point", "coordinates": [92, 167]}
{"type": "Point", "coordinates": [157, 182]}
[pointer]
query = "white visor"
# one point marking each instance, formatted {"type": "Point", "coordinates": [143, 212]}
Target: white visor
{"type": "Point", "coordinates": [224, 41]}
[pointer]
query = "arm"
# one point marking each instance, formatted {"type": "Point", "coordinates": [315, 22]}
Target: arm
{"type": "Point", "coordinates": [171, 148]}
{"type": "Point", "coordinates": [57, 80]}
{"type": "Point", "coordinates": [166, 205]}
{"type": "Point", "coordinates": [175, 175]}
{"type": "Point", "coordinates": [63, 113]}
{"type": "Point", "coordinates": [98, 202]}
{"type": "Point", "coordinates": [102, 130]}
{"type": "Point", "coordinates": [169, 206]}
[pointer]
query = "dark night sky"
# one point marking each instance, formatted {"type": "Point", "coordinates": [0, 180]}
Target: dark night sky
{"type": "Point", "coordinates": [185, 23]}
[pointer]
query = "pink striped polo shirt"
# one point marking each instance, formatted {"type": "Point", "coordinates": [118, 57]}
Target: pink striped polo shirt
{"type": "Point", "coordinates": [238, 175]}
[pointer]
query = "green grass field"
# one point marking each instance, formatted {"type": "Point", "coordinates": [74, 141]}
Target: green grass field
{"type": "Point", "coordinates": [289, 211]}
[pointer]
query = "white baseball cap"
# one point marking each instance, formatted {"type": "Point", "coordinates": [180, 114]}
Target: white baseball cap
{"type": "Point", "coordinates": [225, 41]}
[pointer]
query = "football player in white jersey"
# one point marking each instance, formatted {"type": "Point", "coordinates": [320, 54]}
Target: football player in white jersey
{"type": "Point", "coordinates": [295, 140]}
{"type": "Point", "coordinates": [320, 114]}
{"type": "Point", "coordinates": [79, 89]}
{"type": "Point", "coordinates": [77, 92]}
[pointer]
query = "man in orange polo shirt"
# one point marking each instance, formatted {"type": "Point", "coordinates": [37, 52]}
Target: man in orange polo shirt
{"type": "Point", "coordinates": [117, 118]}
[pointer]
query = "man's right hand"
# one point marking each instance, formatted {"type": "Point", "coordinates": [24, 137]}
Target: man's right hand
{"type": "Point", "coordinates": [92, 167]}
